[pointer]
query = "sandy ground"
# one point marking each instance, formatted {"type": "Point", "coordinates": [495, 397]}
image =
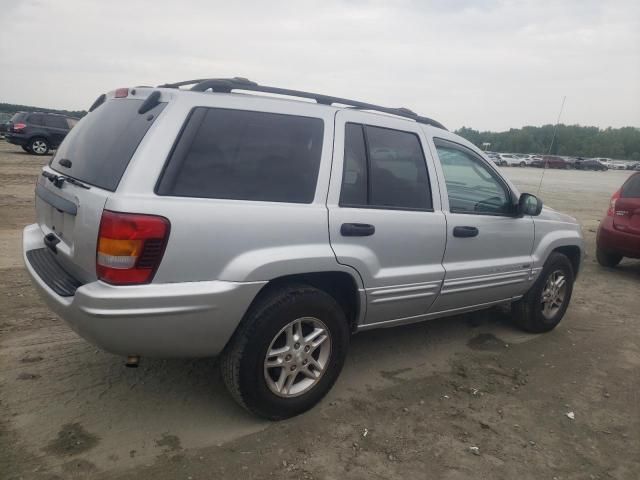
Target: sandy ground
{"type": "Point", "coordinates": [412, 402]}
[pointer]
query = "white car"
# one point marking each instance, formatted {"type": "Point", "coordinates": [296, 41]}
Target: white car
{"type": "Point", "coordinates": [618, 165]}
{"type": "Point", "coordinates": [512, 160]}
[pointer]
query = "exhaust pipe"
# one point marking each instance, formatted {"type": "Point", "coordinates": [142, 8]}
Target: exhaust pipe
{"type": "Point", "coordinates": [132, 361]}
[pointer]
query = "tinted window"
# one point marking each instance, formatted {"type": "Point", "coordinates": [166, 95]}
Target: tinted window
{"type": "Point", "coordinates": [18, 117]}
{"type": "Point", "coordinates": [398, 169]}
{"type": "Point", "coordinates": [55, 121]}
{"type": "Point", "coordinates": [36, 119]}
{"type": "Point", "coordinates": [354, 176]}
{"type": "Point", "coordinates": [244, 155]}
{"type": "Point", "coordinates": [472, 186]}
{"type": "Point", "coordinates": [102, 143]}
{"type": "Point", "coordinates": [631, 189]}
{"type": "Point", "coordinates": [389, 172]}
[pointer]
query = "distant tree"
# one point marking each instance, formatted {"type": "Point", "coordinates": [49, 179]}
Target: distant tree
{"type": "Point", "coordinates": [570, 140]}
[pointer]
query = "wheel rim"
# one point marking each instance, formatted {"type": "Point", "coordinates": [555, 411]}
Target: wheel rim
{"type": "Point", "coordinates": [297, 357]}
{"type": "Point", "coordinates": [553, 294]}
{"type": "Point", "coordinates": [39, 146]}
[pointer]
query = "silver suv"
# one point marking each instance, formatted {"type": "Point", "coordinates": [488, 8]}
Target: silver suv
{"type": "Point", "coordinates": [268, 229]}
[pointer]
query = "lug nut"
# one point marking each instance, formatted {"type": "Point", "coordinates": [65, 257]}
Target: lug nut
{"type": "Point", "coordinates": [293, 367]}
{"type": "Point", "coordinates": [307, 348]}
{"type": "Point", "coordinates": [296, 346]}
{"type": "Point", "coordinates": [287, 358]}
{"type": "Point", "coordinates": [304, 362]}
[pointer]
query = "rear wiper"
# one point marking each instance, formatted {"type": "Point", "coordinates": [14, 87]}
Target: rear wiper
{"type": "Point", "coordinates": [58, 180]}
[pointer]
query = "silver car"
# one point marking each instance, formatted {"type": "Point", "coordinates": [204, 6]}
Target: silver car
{"type": "Point", "coordinates": [268, 229]}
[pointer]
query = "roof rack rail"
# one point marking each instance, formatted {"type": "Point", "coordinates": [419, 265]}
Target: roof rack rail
{"type": "Point", "coordinates": [226, 85]}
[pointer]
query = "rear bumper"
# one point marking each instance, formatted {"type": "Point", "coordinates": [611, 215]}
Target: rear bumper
{"type": "Point", "coordinates": [190, 319]}
{"type": "Point", "coordinates": [16, 139]}
{"type": "Point", "coordinates": [614, 241]}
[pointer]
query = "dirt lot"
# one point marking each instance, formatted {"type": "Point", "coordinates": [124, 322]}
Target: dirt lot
{"type": "Point", "coordinates": [411, 402]}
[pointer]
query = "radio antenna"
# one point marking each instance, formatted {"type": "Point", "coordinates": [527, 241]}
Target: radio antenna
{"type": "Point", "coordinates": [555, 129]}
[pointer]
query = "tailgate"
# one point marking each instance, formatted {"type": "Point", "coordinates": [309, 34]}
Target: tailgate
{"type": "Point", "coordinates": [69, 217]}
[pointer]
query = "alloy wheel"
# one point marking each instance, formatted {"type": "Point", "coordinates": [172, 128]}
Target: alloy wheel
{"type": "Point", "coordinates": [39, 147]}
{"type": "Point", "coordinates": [297, 357]}
{"type": "Point", "coordinates": [553, 294]}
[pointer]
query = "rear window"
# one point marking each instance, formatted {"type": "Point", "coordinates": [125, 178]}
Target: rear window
{"type": "Point", "coordinates": [101, 145]}
{"type": "Point", "coordinates": [245, 155]}
{"type": "Point", "coordinates": [18, 117]}
{"type": "Point", "coordinates": [631, 188]}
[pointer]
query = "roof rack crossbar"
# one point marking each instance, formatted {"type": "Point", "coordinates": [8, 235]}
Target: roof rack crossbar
{"type": "Point", "coordinates": [226, 85]}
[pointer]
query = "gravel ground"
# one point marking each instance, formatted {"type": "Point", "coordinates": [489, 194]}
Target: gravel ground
{"type": "Point", "coordinates": [467, 397]}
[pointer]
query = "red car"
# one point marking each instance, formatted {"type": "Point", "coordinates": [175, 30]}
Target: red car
{"type": "Point", "coordinates": [619, 232]}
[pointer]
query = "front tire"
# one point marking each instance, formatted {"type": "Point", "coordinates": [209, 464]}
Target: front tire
{"type": "Point", "coordinates": [287, 353]}
{"type": "Point", "coordinates": [544, 305]}
{"type": "Point", "coordinates": [607, 259]}
{"type": "Point", "coordinates": [38, 146]}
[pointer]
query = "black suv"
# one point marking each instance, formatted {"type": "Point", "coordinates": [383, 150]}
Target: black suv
{"type": "Point", "coordinates": [38, 132]}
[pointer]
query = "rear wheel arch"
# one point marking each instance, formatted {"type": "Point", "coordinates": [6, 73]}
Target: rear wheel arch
{"type": "Point", "coordinates": [342, 286]}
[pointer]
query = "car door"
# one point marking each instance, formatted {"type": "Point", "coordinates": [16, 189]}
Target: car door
{"type": "Point", "coordinates": [488, 253]}
{"type": "Point", "coordinates": [385, 217]}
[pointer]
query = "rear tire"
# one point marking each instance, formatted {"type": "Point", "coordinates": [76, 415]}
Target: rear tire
{"type": "Point", "coordinates": [269, 336]}
{"type": "Point", "coordinates": [544, 305]}
{"type": "Point", "coordinates": [608, 259]}
{"type": "Point", "coordinates": [38, 146]}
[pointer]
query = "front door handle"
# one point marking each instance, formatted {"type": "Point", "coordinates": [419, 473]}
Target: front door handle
{"type": "Point", "coordinates": [465, 232]}
{"type": "Point", "coordinates": [357, 230]}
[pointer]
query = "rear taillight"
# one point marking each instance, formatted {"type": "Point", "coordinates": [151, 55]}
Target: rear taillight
{"type": "Point", "coordinates": [130, 247]}
{"type": "Point", "coordinates": [612, 204]}
{"type": "Point", "coordinates": [18, 127]}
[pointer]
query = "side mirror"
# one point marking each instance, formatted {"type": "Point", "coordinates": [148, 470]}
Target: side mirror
{"type": "Point", "coordinates": [529, 204]}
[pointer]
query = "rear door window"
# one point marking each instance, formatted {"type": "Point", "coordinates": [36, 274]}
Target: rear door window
{"type": "Point", "coordinates": [384, 168]}
{"type": "Point", "coordinates": [245, 155]}
{"type": "Point", "coordinates": [101, 145]}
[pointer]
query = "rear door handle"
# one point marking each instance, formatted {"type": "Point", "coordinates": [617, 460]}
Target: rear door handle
{"type": "Point", "coordinates": [465, 232]}
{"type": "Point", "coordinates": [357, 230]}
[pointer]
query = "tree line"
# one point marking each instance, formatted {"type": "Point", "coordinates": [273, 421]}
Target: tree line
{"type": "Point", "coordinates": [570, 140]}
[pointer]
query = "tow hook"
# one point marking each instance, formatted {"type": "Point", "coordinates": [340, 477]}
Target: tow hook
{"type": "Point", "coordinates": [132, 361]}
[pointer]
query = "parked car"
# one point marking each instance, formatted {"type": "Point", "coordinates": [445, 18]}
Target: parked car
{"type": "Point", "coordinates": [619, 231]}
{"type": "Point", "coordinates": [618, 165]}
{"type": "Point", "coordinates": [632, 165]}
{"type": "Point", "coordinates": [511, 160]}
{"type": "Point", "coordinates": [550, 161]}
{"type": "Point", "coordinates": [268, 230]}
{"type": "Point", "coordinates": [589, 164]}
{"type": "Point", "coordinates": [3, 129]}
{"type": "Point", "coordinates": [38, 132]}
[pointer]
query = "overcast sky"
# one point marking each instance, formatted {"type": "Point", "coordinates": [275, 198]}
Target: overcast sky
{"type": "Point", "coordinates": [490, 65]}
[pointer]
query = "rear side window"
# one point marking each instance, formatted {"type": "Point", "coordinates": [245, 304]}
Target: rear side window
{"type": "Point", "coordinates": [631, 188]}
{"type": "Point", "coordinates": [55, 121]}
{"type": "Point", "coordinates": [245, 155]}
{"type": "Point", "coordinates": [384, 168]}
{"type": "Point", "coordinates": [101, 145]}
{"type": "Point", "coordinates": [36, 119]}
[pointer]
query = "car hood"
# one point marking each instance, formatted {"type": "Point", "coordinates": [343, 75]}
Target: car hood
{"type": "Point", "coordinates": [550, 214]}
